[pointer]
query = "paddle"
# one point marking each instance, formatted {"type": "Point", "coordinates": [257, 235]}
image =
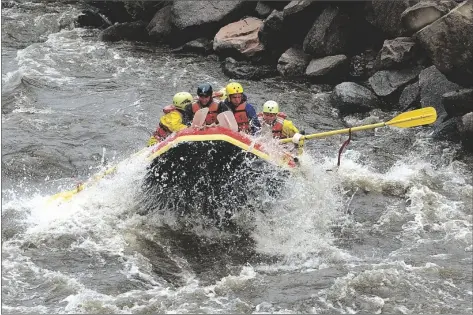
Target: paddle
{"type": "Point", "coordinates": [418, 117]}
{"type": "Point", "coordinates": [227, 119]}
{"type": "Point", "coordinates": [199, 117]}
{"type": "Point", "coordinates": [66, 195]}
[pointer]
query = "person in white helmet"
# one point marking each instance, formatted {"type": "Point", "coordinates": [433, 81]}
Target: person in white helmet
{"type": "Point", "coordinates": [281, 127]}
{"type": "Point", "coordinates": [174, 118]}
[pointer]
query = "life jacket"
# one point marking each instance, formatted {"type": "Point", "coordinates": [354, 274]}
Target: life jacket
{"type": "Point", "coordinates": [162, 132]}
{"type": "Point", "coordinates": [241, 117]}
{"type": "Point", "coordinates": [277, 125]}
{"type": "Point", "coordinates": [211, 115]}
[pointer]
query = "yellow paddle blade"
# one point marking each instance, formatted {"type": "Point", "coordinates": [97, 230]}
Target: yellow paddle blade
{"type": "Point", "coordinates": [418, 117]}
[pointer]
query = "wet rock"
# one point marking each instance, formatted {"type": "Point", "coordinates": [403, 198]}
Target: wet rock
{"type": "Point", "coordinates": [128, 11]}
{"type": "Point", "coordinates": [329, 34]}
{"type": "Point", "coordinates": [386, 15]}
{"type": "Point", "coordinates": [424, 13]}
{"type": "Point", "coordinates": [386, 82]}
{"type": "Point", "coordinates": [299, 16]}
{"type": "Point", "coordinates": [134, 31]}
{"type": "Point", "coordinates": [92, 18]}
{"type": "Point", "coordinates": [396, 53]}
{"type": "Point", "coordinates": [458, 103]}
{"type": "Point", "coordinates": [270, 32]}
{"type": "Point", "coordinates": [293, 63]}
{"type": "Point", "coordinates": [200, 46]}
{"type": "Point", "coordinates": [328, 69]}
{"type": "Point", "coordinates": [262, 10]}
{"type": "Point", "coordinates": [351, 98]}
{"type": "Point", "coordinates": [449, 43]}
{"type": "Point", "coordinates": [246, 70]}
{"type": "Point", "coordinates": [433, 84]}
{"type": "Point", "coordinates": [465, 127]}
{"type": "Point", "coordinates": [239, 38]}
{"type": "Point", "coordinates": [196, 19]}
{"type": "Point", "coordinates": [448, 130]}
{"type": "Point", "coordinates": [362, 65]}
{"type": "Point", "coordinates": [410, 96]}
{"type": "Point", "coordinates": [160, 26]}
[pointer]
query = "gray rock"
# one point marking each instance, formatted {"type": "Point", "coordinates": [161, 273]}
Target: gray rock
{"type": "Point", "coordinates": [458, 103]}
{"type": "Point", "coordinates": [433, 84]}
{"type": "Point", "coordinates": [245, 70]}
{"type": "Point", "coordinates": [386, 82]}
{"type": "Point", "coordinates": [195, 19]}
{"type": "Point", "coordinates": [160, 26]}
{"type": "Point", "coordinates": [465, 127]}
{"type": "Point", "coordinates": [424, 13]}
{"type": "Point", "coordinates": [447, 130]}
{"type": "Point", "coordinates": [386, 15]}
{"type": "Point", "coordinates": [351, 98]}
{"type": "Point", "coordinates": [270, 32]}
{"type": "Point", "coordinates": [293, 63]}
{"type": "Point", "coordinates": [395, 53]}
{"type": "Point", "coordinates": [329, 34]}
{"type": "Point", "coordinates": [329, 67]}
{"type": "Point", "coordinates": [449, 43]}
{"type": "Point", "coordinates": [262, 10]}
{"type": "Point", "coordinates": [410, 96]}
{"type": "Point", "coordinates": [200, 46]}
{"type": "Point", "coordinates": [133, 31]}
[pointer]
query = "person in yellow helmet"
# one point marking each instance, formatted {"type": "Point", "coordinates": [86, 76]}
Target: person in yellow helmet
{"type": "Point", "coordinates": [281, 127]}
{"type": "Point", "coordinates": [174, 118]}
{"type": "Point", "coordinates": [244, 112]}
{"type": "Point", "coordinates": [205, 99]}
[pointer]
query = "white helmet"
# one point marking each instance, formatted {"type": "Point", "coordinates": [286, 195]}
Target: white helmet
{"type": "Point", "coordinates": [271, 107]}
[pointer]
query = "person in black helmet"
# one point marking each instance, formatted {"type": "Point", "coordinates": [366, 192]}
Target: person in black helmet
{"type": "Point", "coordinates": [205, 99]}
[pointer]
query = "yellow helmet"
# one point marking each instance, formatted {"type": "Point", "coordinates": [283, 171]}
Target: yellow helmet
{"type": "Point", "coordinates": [234, 88]}
{"type": "Point", "coordinates": [181, 99]}
{"type": "Point", "coordinates": [271, 107]}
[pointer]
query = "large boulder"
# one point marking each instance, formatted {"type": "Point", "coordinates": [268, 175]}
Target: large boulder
{"type": "Point", "coordinates": [127, 11]}
{"type": "Point", "coordinates": [351, 98]}
{"type": "Point", "coordinates": [329, 34]}
{"type": "Point", "coordinates": [396, 53]}
{"type": "Point", "coordinates": [160, 26]}
{"type": "Point", "coordinates": [239, 38]}
{"type": "Point", "coordinates": [449, 43]}
{"type": "Point", "coordinates": [425, 12]}
{"type": "Point", "coordinates": [328, 69]}
{"type": "Point", "coordinates": [465, 127]}
{"type": "Point", "coordinates": [299, 15]}
{"type": "Point", "coordinates": [245, 70]}
{"type": "Point", "coordinates": [270, 32]}
{"type": "Point", "coordinates": [386, 15]}
{"type": "Point", "coordinates": [195, 19]}
{"type": "Point", "coordinates": [386, 82]}
{"type": "Point", "coordinates": [433, 84]}
{"type": "Point", "coordinates": [458, 103]}
{"type": "Point", "coordinates": [293, 63]}
{"type": "Point", "coordinates": [410, 96]}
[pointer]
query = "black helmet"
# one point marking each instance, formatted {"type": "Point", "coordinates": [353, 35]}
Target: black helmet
{"type": "Point", "coordinates": [204, 90]}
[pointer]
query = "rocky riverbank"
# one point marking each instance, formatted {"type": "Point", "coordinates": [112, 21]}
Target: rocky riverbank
{"type": "Point", "coordinates": [394, 55]}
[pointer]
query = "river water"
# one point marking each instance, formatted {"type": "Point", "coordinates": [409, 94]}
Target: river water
{"type": "Point", "coordinates": [389, 231]}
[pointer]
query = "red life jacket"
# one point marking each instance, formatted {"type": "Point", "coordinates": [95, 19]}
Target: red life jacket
{"type": "Point", "coordinates": [277, 125]}
{"type": "Point", "coordinates": [241, 117]}
{"type": "Point", "coordinates": [162, 132]}
{"type": "Point", "coordinates": [211, 115]}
